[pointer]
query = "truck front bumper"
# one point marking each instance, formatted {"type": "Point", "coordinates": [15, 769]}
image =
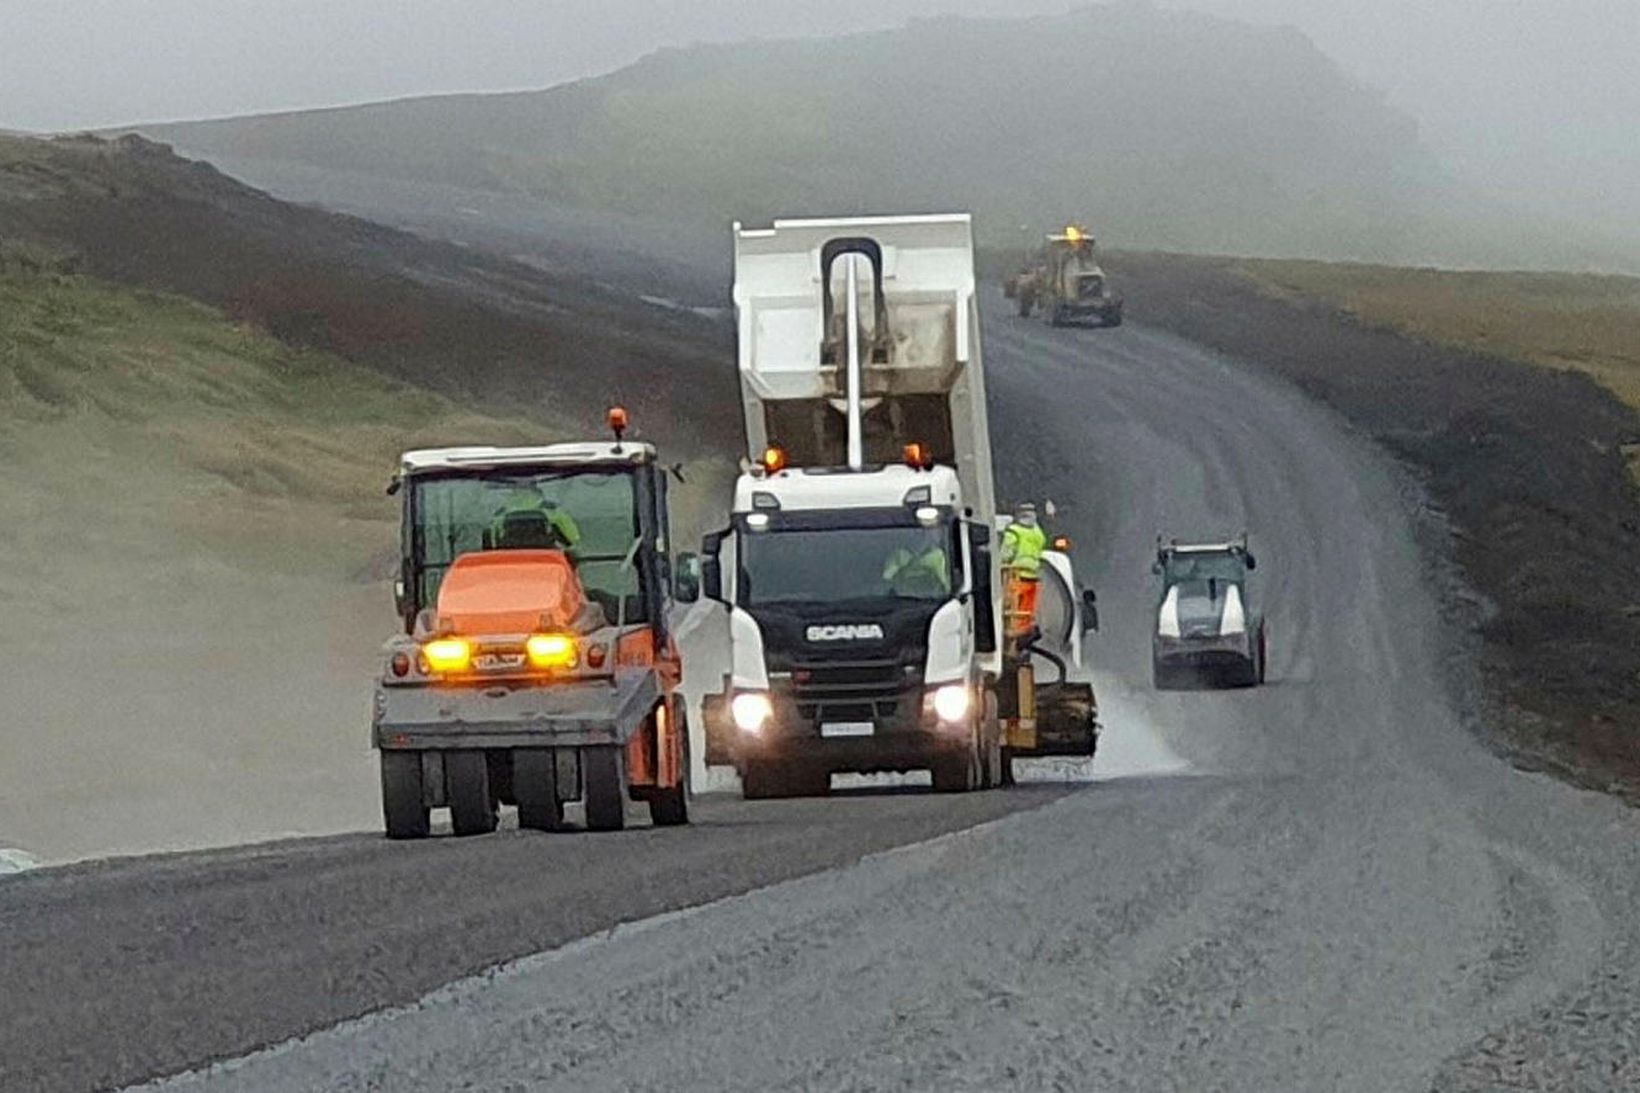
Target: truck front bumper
{"type": "Point", "coordinates": [1207, 653]}
{"type": "Point", "coordinates": [907, 740]}
{"type": "Point", "coordinates": [514, 714]}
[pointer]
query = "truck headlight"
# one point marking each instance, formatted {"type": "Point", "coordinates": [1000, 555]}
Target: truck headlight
{"type": "Point", "coordinates": [751, 711]}
{"type": "Point", "coordinates": [447, 655]}
{"type": "Point", "coordinates": [951, 702]}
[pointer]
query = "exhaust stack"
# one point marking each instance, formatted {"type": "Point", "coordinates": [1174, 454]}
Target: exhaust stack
{"type": "Point", "coordinates": [856, 423]}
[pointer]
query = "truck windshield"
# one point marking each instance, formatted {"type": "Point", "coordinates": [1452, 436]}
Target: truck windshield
{"type": "Point", "coordinates": [842, 565]}
{"type": "Point", "coordinates": [593, 516]}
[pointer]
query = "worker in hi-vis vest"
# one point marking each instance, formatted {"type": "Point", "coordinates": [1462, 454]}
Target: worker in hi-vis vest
{"type": "Point", "coordinates": [530, 521]}
{"type": "Point", "coordinates": [1023, 542]}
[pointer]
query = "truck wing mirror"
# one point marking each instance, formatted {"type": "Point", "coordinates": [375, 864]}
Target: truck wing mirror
{"type": "Point", "coordinates": [711, 567]}
{"type": "Point", "coordinates": [1252, 562]}
{"type": "Point", "coordinates": [1090, 610]}
{"type": "Point", "coordinates": [1156, 568]}
{"type": "Point", "coordinates": [686, 581]}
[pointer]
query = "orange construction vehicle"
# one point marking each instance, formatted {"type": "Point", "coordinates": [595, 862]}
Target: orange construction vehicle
{"type": "Point", "coordinates": [535, 666]}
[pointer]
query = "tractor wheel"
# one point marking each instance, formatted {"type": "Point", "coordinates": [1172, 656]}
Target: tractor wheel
{"type": "Point", "coordinates": [473, 808]}
{"type": "Point", "coordinates": [403, 805]}
{"type": "Point", "coordinates": [670, 807]}
{"type": "Point", "coordinates": [1263, 655]}
{"type": "Point", "coordinates": [603, 778]}
{"type": "Point", "coordinates": [535, 787]}
{"type": "Point", "coordinates": [1161, 677]}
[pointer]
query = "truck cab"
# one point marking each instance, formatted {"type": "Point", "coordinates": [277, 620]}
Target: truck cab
{"type": "Point", "coordinates": [859, 605]}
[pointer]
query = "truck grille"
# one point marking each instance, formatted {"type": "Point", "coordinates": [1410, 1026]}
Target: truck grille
{"type": "Point", "coordinates": [852, 690]}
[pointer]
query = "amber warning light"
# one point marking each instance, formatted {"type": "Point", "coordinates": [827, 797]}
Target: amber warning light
{"type": "Point", "coordinates": [918, 456]}
{"type": "Point", "coordinates": [617, 422]}
{"type": "Point", "coordinates": [774, 460]}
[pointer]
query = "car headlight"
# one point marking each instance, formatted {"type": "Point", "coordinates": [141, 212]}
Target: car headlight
{"type": "Point", "coordinates": [952, 702]}
{"type": "Point", "coordinates": [751, 711]}
{"type": "Point", "coordinates": [447, 655]}
{"type": "Point", "coordinates": [1234, 620]}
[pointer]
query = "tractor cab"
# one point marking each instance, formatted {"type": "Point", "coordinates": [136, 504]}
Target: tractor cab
{"type": "Point", "coordinates": [534, 664]}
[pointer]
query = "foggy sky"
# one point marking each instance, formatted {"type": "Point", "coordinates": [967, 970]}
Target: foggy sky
{"type": "Point", "coordinates": [1535, 98]}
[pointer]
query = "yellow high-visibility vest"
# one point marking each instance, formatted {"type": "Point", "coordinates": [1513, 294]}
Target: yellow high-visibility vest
{"type": "Point", "coordinates": [1022, 548]}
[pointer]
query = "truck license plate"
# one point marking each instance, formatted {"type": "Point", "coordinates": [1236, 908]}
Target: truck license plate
{"type": "Point", "coordinates": [846, 728]}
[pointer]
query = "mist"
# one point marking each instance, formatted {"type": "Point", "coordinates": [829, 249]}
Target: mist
{"type": "Point", "coordinates": [1533, 101]}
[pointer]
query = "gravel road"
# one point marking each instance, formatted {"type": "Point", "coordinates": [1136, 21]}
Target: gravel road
{"type": "Point", "coordinates": [1342, 890]}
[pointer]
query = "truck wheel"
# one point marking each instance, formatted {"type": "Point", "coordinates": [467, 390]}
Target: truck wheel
{"type": "Point", "coordinates": [1007, 768]}
{"type": "Point", "coordinates": [603, 777]}
{"type": "Point", "coordinates": [535, 787]}
{"type": "Point", "coordinates": [1263, 656]}
{"type": "Point", "coordinates": [403, 806]}
{"type": "Point", "coordinates": [670, 807]}
{"type": "Point", "coordinates": [991, 762]}
{"type": "Point", "coordinates": [957, 773]}
{"type": "Point", "coordinates": [473, 808]}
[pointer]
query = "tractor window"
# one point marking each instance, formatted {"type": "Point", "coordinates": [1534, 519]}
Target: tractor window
{"type": "Point", "coordinates": [1182, 567]}
{"type": "Point", "coordinates": [590, 515]}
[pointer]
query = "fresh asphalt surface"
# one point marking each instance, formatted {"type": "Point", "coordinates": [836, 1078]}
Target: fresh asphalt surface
{"type": "Point", "coordinates": [1343, 891]}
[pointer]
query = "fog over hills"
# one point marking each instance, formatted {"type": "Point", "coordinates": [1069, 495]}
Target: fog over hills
{"type": "Point", "coordinates": [1163, 129]}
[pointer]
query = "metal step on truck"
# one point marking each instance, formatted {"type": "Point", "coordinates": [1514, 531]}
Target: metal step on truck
{"type": "Point", "coordinates": [860, 567]}
{"type": "Point", "coordinates": [535, 666]}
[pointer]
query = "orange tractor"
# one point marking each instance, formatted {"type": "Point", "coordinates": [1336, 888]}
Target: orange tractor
{"type": "Point", "coordinates": [536, 666]}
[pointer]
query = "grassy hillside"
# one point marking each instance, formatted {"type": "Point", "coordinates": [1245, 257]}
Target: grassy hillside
{"type": "Point", "coordinates": [1574, 322]}
{"type": "Point", "coordinates": [194, 534]}
{"type": "Point", "coordinates": [472, 326]}
{"type": "Point", "coordinates": [1583, 323]}
{"type": "Point", "coordinates": [160, 430]}
{"type": "Point", "coordinates": [1162, 128]}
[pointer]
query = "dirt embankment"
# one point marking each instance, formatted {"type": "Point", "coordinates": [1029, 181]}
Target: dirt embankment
{"type": "Point", "coordinates": [1526, 463]}
{"type": "Point", "coordinates": [478, 328]}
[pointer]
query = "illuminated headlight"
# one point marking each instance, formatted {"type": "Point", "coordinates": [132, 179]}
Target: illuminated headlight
{"type": "Point", "coordinates": [951, 702]}
{"type": "Point", "coordinates": [751, 711]}
{"type": "Point", "coordinates": [447, 655]}
{"type": "Point", "coordinates": [551, 651]}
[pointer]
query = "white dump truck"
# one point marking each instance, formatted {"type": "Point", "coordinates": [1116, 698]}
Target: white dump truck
{"type": "Point", "coordinates": [860, 568]}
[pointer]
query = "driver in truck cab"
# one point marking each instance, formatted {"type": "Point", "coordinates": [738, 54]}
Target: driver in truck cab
{"type": "Point", "coordinates": [529, 521]}
{"type": "Point", "coordinates": [918, 574]}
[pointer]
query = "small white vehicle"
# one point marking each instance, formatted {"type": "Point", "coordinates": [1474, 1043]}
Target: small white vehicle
{"type": "Point", "coordinates": [1208, 629]}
